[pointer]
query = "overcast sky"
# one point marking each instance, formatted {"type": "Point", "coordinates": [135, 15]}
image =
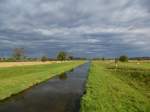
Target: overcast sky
{"type": "Point", "coordinates": [92, 28]}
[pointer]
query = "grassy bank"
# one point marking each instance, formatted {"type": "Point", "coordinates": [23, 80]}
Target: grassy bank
{"type": "Point", "coordinates": [17, 79]}
{"type": "Point", "coordinates": [110, 91]}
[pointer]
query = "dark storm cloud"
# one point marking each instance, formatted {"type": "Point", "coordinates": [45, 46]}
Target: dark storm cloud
{"type": "Point", "coordinates": [81, 27]}
{"type": "Point", "coordinates": [145, 4]}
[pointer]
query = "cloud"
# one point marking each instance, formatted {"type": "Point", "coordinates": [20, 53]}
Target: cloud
{"type": "Point", "coordinates": [82, 27]}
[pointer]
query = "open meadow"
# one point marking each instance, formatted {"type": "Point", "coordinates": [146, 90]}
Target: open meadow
{"type": "Point", "coordinates": [121, 88]}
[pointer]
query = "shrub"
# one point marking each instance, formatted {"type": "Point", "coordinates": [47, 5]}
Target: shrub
{"type": "Point", "coordinates": [123, 58]}
{"type": "Point", "coordinates": [44, 58]}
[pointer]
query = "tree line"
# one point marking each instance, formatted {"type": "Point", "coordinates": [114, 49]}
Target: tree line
{"type": "Point", "coordinates": [122, 58]}
{"type": "Point", "coordinates": [19, 55]}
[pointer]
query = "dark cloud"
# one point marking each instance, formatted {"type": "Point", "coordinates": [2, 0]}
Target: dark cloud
{"type": "Point", "coordinates": [145, 4]}
{"type": "Point", "coordinates": [82, 27]}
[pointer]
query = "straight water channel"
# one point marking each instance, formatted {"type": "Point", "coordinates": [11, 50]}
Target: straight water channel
{"type": "Point", "coordinates": [61, 93]}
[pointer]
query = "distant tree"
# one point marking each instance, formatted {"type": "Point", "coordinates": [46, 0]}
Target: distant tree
{"type": "Point", "coordinates": [62, 55]}
{"type": "Point", "coordinates": [70, 57]}
{"type": "Point", "coordinates": [103, 58]}
{"type": "Point", "coordinates": [18, 53]}
{"type": "Point", "coordinates": [44, 58]}
{"type": "Point", "coordinates": [123, 58]}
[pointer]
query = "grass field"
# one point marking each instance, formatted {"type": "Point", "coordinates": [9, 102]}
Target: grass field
{"type": "Point", "coordinates": [17, 79]}
{"type": "Point", "coordinates": [12, 64]}
{"type": "Point", "coordinates": [122, 89]}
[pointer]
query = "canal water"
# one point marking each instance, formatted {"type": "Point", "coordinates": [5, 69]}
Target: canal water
{"type": "Point", "coordinates": [61, 93]}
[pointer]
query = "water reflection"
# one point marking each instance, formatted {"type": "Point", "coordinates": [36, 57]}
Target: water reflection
{"type": "Point", "coordinates": [71, 70]}
{"type": "Point", "coordinates": [59, 94]}
{"type": "Point", "coordinates": [63, 76]}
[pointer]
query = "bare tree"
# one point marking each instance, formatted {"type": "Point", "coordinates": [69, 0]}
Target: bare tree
{"type": "Point", "coordinates": [18, 53]}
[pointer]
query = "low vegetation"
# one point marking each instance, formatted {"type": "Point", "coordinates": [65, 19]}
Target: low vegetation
{"type": "Point", "coordinates": [123, 58]}
{"type": "Point", "coordinates": [17, 79]}
{"type": "Point", "coordinates": [124, 88]}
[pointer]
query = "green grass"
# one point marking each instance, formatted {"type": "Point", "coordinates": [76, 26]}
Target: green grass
{"type": "Point", "coordinates": [106, 91]}
{"type": "Point", "coordinates": [16, 79]}
{"type": "Point", "coordinates": [137, 76]}
{"type": "Point", "coordinates": [136, 65]}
